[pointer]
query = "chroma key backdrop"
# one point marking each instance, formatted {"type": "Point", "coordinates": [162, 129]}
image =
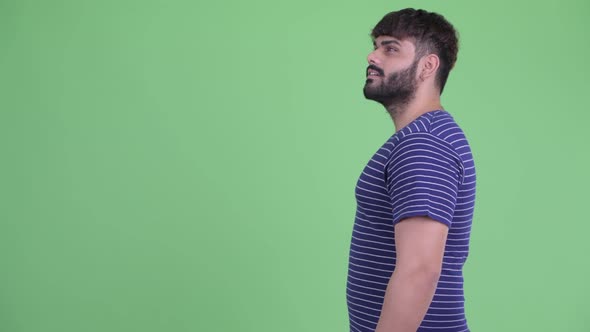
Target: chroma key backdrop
{"type": "Point", "coordinates": [190, 165]}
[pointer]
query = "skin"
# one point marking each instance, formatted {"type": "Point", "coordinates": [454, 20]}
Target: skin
{"type": "Point", "coordinates": [407, 89]}
{"type": "Point", "coordinates": [420, 243]}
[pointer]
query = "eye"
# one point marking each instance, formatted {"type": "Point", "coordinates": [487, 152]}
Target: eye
{"type": "Point", "coordinates": [391, 49]}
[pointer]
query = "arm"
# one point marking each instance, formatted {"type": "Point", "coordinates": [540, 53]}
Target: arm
{"type": "Point", "coordinates": [423, 178]}
{"type": "Point", "coordinates": [420, 243]}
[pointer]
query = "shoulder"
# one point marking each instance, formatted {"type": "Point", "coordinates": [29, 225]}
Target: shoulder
{"type": "Point", "coordinates": [423, 147]}
{"type": "Point", "coordinates": [437, 129]}
{"type": "Point", "coordinates": [432, 138]}
{"type": "Point", "coordinates": [438, 125]}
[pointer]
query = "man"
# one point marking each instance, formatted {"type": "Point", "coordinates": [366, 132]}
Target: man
{"type": "Point", "coordinates": [415, 198]}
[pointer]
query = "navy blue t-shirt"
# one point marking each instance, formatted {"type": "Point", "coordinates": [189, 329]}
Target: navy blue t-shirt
{"type": "Point", "coordinates": [424, 169]}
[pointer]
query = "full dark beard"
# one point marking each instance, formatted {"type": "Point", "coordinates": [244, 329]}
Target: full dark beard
{"type": "Point", "coordinates": [396, 90]}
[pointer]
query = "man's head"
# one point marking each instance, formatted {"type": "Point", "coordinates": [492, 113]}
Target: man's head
{"type": "Point", "coordinates": [412, 48]}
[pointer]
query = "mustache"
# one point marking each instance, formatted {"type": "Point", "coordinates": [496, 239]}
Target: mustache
{"type": "Point", "coordinates": [375, 68]}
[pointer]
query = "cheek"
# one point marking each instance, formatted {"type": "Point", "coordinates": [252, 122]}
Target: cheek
{"type": "Point", "coordinates": [392, 68]}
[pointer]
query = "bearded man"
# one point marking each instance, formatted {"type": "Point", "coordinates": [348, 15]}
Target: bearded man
{"type": "Point", "coordinates": [415, 197]}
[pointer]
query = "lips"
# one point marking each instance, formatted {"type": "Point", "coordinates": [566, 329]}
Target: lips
{"type": "Point", "coordinates": [372, 72]}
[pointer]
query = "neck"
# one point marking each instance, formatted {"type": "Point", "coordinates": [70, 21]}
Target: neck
{"type": "Point", "coordinates": [404, 114]}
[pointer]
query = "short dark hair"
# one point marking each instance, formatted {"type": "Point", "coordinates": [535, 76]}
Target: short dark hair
{"type": "Point", "coordinates": [430, 32]}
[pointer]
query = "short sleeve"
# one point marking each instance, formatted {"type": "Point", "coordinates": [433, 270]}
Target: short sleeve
{"type": "Point", "coordinates": [423, 176]}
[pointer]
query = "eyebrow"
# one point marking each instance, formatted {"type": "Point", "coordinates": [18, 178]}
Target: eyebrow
{"type": "Point", "coordinates": [390, 41]}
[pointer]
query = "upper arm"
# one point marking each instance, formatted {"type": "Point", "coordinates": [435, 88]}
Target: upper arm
{"type": "Point", "coordinates": [423, 178]}
{"type": "Point", "coordinates": [420, 244]}
{"type": "Point", "coordinates": [423, 181]}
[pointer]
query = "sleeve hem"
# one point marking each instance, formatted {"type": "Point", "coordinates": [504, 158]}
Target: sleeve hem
{"type": "Point", "coordinates": [428, 214]}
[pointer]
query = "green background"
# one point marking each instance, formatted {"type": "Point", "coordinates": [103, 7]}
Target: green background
{"type": "Point", "coordinates": [190, 165]}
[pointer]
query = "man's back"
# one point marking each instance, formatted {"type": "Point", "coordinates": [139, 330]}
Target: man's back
{"type": "Point", "coordinates": [424, 169]}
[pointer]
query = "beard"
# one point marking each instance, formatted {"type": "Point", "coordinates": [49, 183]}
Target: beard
{"type": "Point", "coordinates": [395, 90]}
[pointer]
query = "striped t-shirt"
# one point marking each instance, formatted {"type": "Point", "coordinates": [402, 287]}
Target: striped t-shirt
{"type": "Point", "coordinates": [424, 169]}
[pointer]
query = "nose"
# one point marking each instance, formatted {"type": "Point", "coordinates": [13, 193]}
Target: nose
{"type": "Point", "coordinates": [372, 58]}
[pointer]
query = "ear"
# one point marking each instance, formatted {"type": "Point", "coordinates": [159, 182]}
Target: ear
{"type": "Point", "coordinates": [430, 64]}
